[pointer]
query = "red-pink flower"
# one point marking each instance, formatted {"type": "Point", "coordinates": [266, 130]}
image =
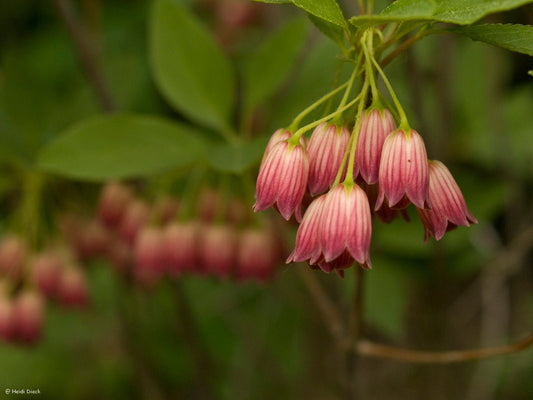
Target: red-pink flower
{"type": "Point", "coordinates": [307, 246]}
{"type": "Point", "coordinates": [258, 255]}
{"type": "Point", "coordinates": [346, 224]}
{"type": "Point", "coordinates": [403, 172]}
{"type": "Point", "coordinates": [325, 151]}
{"type": "Point", "coordinates": [181, 247]}
{"type": "Point", "coordinates": [218, 250]}
{"type": "Point", "coordinates": [449, 208]}
{"type": "Point", "coordinates": [376, 124]}
{"type": "Point", "coordinates": [282, 180]}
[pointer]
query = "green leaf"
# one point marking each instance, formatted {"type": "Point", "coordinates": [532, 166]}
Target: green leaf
{"type": "Point", "coordinates": [461, 12]}
{"type": "Point", "coordinates": [512, 37]}
{"type": "Point", "coordinates": [189, 68]}
{"type": "Point", "coordinates": [334, 32]}
{"type": "Point", "coordinates": [530, 72]}
{"type": "Point", "coordinates": [120, 146]}
{"type": "Point", "coordinates": [327, 10]}
{"type": "Point", "coordinates": [237, 158]}
{"type": "Point", "coordinates": [265, 69]}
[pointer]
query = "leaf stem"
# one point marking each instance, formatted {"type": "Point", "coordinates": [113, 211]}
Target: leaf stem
{"type": "Point", "coordinates": [296, 122]}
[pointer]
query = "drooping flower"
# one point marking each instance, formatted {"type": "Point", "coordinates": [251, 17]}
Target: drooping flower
{"type": "Point", "coordinates": [307, 246]}
{"type": "Point", "coordinates": [326, 150]}
{"type": "Point", "coordinates": [258, 255]}
{"type": "Point", "coordinates": [180, 247]}
{"type": "Point", "coordinates": [282, 180]}
{"type": "Point", "coordinates": [218, 250]}
{"type": "Point", "coordinates": [376, 124]}
{"type": "Point", "coordinates": [403, 171]}
{"type": "Point", "coordinates": [346, 225]}
{"type": "Point", "coordinates": [278, 136]}
{"type": "Point", "coordinates": [449, 208]}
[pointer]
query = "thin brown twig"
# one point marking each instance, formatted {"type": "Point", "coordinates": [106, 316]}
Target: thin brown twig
{"type": "Point", "coordinates": [325, 305]}
{"type": "Point", "coordinates": [86, 53]}
{"type": "Point", "coordinates": [398, 50]}
{"type": "Point", "coordinates": [370, 349]}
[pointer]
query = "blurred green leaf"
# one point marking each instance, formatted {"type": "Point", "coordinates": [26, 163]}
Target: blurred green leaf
{"type": "Point", "coordinates": [328, 10]}
{"type": "Point", "coordinates": [461, 12]}
{"type": "Point", "coordinates": [189, 68]}
{"type": "Point", "coordinates": [120, 146]}
{"type": "Point", "coordinates": [334, 32]}
{"type": "Point", "coordinates": [386, 295]}
{"type": "Point", "coordinates": [237, 158]}
{"type": "Point", "coordinates": [265, 68]}
{"type": "Point", "coordinates": [512, 37]}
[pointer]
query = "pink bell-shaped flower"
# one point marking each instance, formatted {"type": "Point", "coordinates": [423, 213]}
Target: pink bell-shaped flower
{"type": "Point", "coordinates": [218, 250]}
{"type": "Point", "coordinates": [181, 247]}
{"type": "Point", "coordinates": [346, 224]}
{"type": "Point", "coordinates": [325, 151]}
{"type": "Point", "coordinates": [307, 246]}
{"type": "Point", "coordinates": [403, 172]}
{"type": "Point", "coordinates": [278, 136]}
{"type": "Point", "coordinates": [449, 208]}
{"type": "Point", "coordinates": [376, 124]}
{"type": "Point", "coordinates": [282, 180]}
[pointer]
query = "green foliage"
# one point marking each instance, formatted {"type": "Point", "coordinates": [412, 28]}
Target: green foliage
{"type": "Point", "coordinates": [189, 68]}
{"type": "Point", "coordinates": [120, 146]}
{"type": "Point", "coordinates": [237, 158]}
{"type": "Point", "coordinates": [267, 66]}
{"type": "Point", "coordinates": [512, 37]}
{"type": "Point", "coordinates": [461, 12]}
{"type": "Point", "coordinates": [327, 10]}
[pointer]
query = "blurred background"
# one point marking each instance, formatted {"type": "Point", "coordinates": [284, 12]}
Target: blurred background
{"type": "Point", "coordinates": [199, 337]}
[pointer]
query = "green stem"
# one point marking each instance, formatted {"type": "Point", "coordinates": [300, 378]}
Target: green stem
{"type": "Point", "coordinates": [296, 122]}
{"type": "Point", "coordinates": [28, 221]}
{"type": "Point", "coordinates": [404, 123]}
{"type": "Point", "coordinates": [370, 7]}
{"type": "Point", "coordinates": [349, 88]}
{"type": "Point", "coordinates": [368, 52]}
{"type": "Point", "coordinates": [355, 133]}
{"type": "Point", "coordinates": [293, 141]}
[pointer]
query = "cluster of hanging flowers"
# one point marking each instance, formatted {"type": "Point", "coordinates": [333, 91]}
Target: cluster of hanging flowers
{"type": "Point", "coordinates": [346, 175]}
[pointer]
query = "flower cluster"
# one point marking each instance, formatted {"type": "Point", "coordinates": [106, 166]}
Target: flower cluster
{"type": "Point", "coordinates": [148, 242]}
{"type": "Point", "coordinates": [28, 281]}
{"type": "Point", "coordinates": [378, 169]}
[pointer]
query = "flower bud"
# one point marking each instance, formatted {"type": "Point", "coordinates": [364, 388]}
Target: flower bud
{"type": "Point", "coordinates": [13, 253]}
{"type": "Point", "coordinates": [149, 256]}
{"type": "Point", "coordinates": [136, 217]}
{"type": "Point", "coordinates": [119, 254]}
{"type": "Point", "coordinates": [29, 311]}
{"type": "Point", "coordinates": [325, 151]}
{"type": "Point", "coordinates": [46, 269]}
{"type": "Point", "coordinates": [73, 291]}
{"type": "Point", "coordinates": [376, 124]}
{"type": "Point", "coordinates": [181, 247]}
{"type": "Point", "coordinates": [91, 240]}
{"type": "Point", "coordinates": [112, 204]}
{"type": "Point", "coordinates": [218, 250]}
{"type": "Point", "coordinates": [282, 180]}
{"type": "Point", "coordinates": [449, 208]}
{"type": "Point", "coordinates": [403, 172]}
{"type": "Point", "coordinates": [258, 255]}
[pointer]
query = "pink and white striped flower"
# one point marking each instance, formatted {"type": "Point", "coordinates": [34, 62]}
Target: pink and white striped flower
{"type": "Point", "coordinates": [282, 180]}
{"type": "Point", "coordinates": [376, 124]}
{"type": "Point", "coordinates": [403, 172]}
{"type": "Point", "coordinates": [278, 136]}
{"type": "Point", "coordinates": [449, 208]}
{"type": "Point", "coordinates": [346, 224]}
{"type": "Point", "coordinates": [326, 150]}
